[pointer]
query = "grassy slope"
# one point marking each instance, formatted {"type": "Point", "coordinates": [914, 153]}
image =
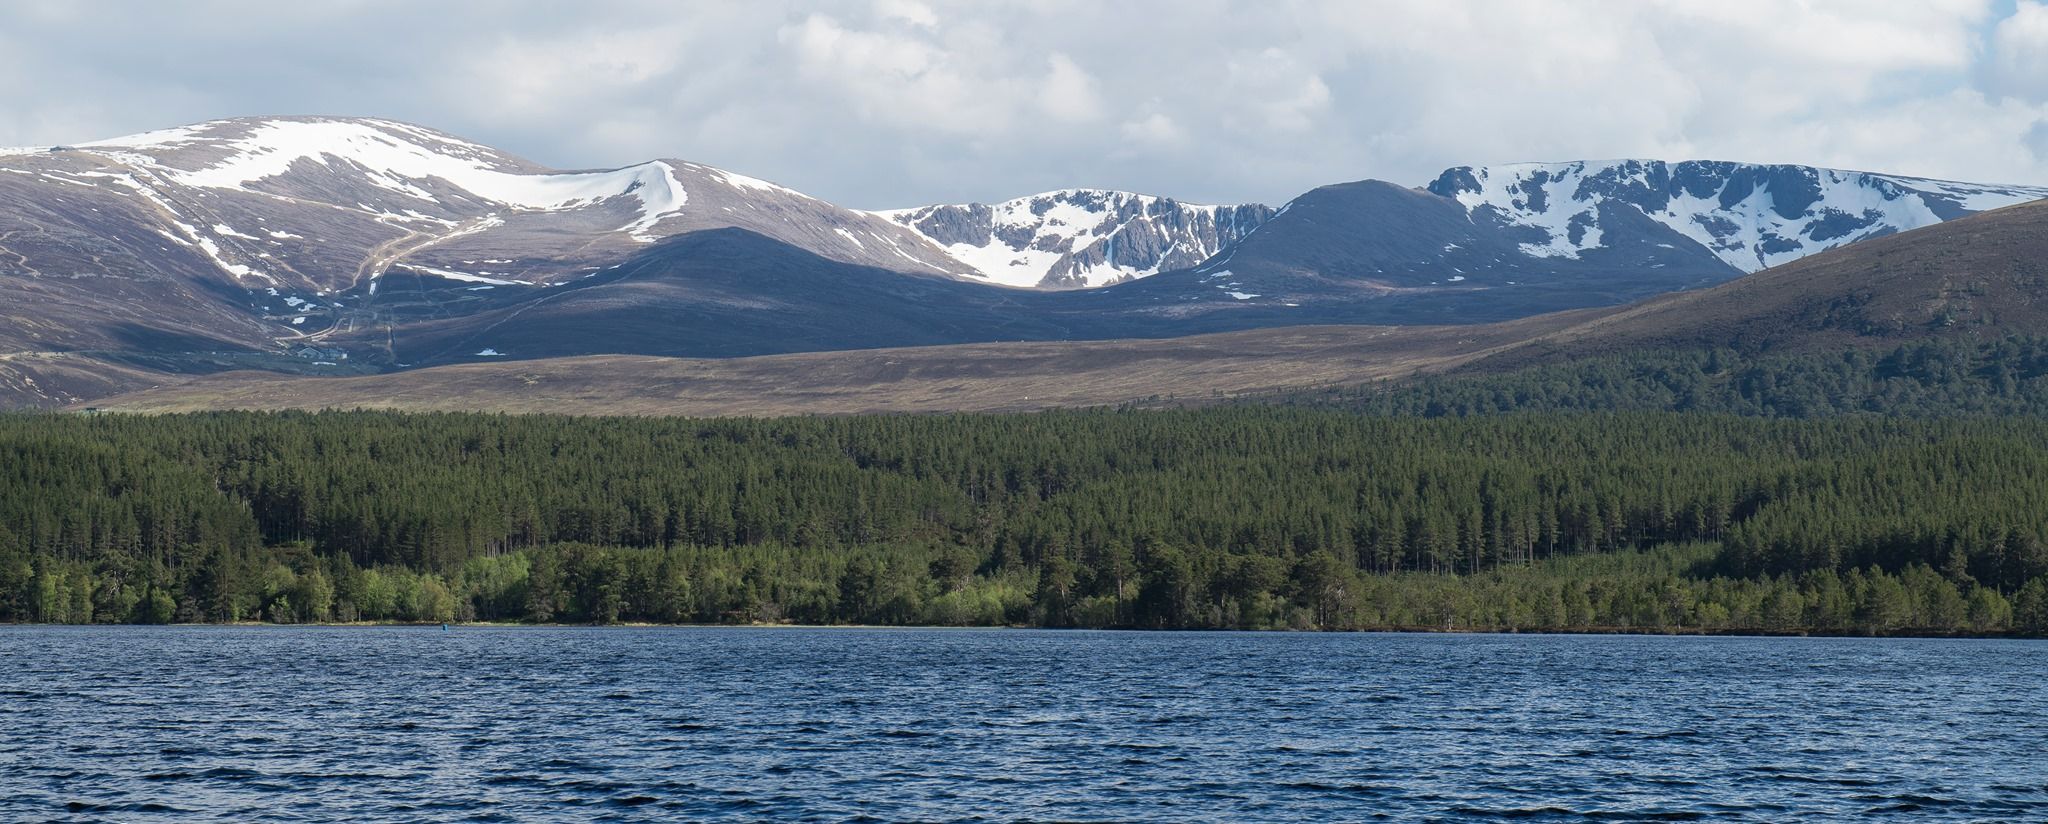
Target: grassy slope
{"type": "Point", "coordinates": [975, 377]}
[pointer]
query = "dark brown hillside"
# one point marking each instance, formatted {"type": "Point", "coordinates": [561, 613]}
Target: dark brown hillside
{"type": "Point", "coordinates": [1985, 275]}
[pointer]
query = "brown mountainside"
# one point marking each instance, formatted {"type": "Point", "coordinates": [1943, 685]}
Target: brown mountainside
{"type": "Point", "coordinates": [1982, 276]}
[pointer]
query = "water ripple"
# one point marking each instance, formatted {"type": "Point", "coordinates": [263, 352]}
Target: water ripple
{"type": "Point", "coordinates": [489, 724]}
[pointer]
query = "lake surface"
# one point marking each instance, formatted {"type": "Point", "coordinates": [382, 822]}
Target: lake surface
{"type": "Point", "coordinates": [512, 724]}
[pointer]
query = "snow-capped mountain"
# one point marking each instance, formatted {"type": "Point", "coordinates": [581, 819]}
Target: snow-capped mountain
{"type": "Point", "coordinates": [1750, 216]}
{"type": "Point", "coordinates": [1080, 238]}
{"type": "Point", "coordinates": [329, 204]}
{"type": "Point", "coordinates": [1490, 243]}
{"type": "Point", "coordinates": [246, 232]}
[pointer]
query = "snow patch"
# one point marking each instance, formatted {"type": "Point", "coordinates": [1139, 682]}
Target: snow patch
{"type": "Point", "coordinates": [740, 181]}
{"type": "Point", "coordinates": [465, 277]}
{"type": "Point", "coordinates": [158, 139]}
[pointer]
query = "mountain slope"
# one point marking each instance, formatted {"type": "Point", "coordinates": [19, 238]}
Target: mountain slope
{"type": "Point", "coordinates": [1078, 238]}
{"type": "Point", "coordinates": [245, 233]}
{"type": "Point", "coordinates": [1984, 276]}
{"type": "Point", "coordinates": [735, 293]}
{"type": "Point", "coordinates": [470, 198]}
{"type": "Point", "coordinates": [1381, 253]}
{"type": "Point", "coordinates": [1487, 243]}
{"type": "Point", "coordinates": [713, 293]}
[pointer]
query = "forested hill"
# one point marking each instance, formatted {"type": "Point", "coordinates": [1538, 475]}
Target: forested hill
{"type": "Point", "coordinates": [1930, 378]}
{"type": "Point", "coordinates": [1255, 517]}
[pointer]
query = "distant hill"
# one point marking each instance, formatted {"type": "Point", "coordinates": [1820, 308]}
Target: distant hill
{"type": "Point", "coordinates": [1980, 277]}
{"type": "Point", "coordinates": [1983, 277]}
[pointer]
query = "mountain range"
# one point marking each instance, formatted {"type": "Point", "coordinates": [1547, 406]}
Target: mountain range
{"type": "Point", "coordinates": [1977, 279]}
{"type": "Point", "coordinates": [338, 245]}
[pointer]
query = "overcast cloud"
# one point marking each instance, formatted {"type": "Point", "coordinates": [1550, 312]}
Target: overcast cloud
{"type": "Point", "coordinates": [905, 102]}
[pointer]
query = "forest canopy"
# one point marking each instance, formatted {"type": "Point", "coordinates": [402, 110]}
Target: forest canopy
{"type": "Point", "coordinates": [1929, 378]}
{"type": "Point", "coordinates": [1233, 517]}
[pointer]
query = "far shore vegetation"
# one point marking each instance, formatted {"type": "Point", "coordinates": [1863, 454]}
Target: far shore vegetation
{"type": "Point", "coordinates": [1228, 518]}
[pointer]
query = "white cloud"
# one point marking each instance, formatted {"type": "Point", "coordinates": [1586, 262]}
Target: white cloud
{"type": "Point", "coordinates": [1275, 90]}
{"type": "Point", "coordinates": [908, 11]}
{"type": "Point", "coordinates": [1068, 93]}
{"type": "Point", "coordinates": [2017, 64]}
{"type": "Point", "coordinates": [2036, 140]}
{"type": "Point", "coordinates": [904, 78]}
{"type": "Point", "coordinates": [543, 73]}
{"type": "Point", "coordinates": [1154, 130]}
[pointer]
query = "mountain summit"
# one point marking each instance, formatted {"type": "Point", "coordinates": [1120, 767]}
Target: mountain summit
{"type": "Point", "coordinates": [1750, 216]}
{"type": "Point", "coordinates": [1079, 238]}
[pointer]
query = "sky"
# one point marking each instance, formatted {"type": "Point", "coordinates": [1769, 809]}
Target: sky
{"type": "Point", "coordinates": [893, 103]}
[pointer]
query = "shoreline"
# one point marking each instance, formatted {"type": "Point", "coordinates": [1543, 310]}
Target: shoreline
{"type": "Point", "coordinates": [1675, 632]}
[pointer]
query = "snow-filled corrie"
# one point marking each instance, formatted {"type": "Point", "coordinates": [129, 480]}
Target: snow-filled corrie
{"type": "Point", "coordinates": [1077, 237]}
{"type": "Point", "coordinates": [1751, 216]}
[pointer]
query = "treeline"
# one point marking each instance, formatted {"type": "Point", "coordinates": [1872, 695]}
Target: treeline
{"type": "Point", "coordinates": [1662, 590]}
{"type": "Point", "coordinates": [1934, 378]}
{"type": "Point", "coordinates": [1239, 517]}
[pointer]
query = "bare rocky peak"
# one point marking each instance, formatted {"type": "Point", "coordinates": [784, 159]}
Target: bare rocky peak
{"type": "Point", "coordinates": [1080, 238]}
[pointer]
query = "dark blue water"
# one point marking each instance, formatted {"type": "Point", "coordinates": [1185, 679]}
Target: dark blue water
{"type": "Point", "coordinates": [133, 724]}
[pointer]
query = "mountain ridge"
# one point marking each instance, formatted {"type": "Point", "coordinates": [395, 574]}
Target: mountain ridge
{"type": "Point", "coordinates": [1080, 238]}
{"type": "Point", "coordinates": [1981, 277]}
{"type": "Point", "coordinates": [1761, 214]}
